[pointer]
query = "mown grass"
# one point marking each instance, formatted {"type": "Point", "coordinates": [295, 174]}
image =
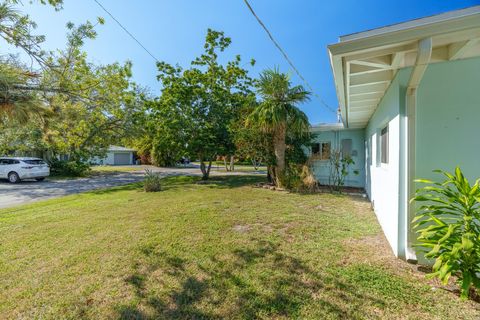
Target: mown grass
{"type": "Point", "coordinates": [222, 250]}
{"type": "Point", "coordinates": [115, 169]}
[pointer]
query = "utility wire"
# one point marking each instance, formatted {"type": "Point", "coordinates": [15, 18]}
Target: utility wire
{"type": "Point", "coordinates": [128, 32]}
{"type": "Point", "coordinates": [287, 58]}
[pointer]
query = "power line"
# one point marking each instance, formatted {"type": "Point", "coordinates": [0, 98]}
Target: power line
{"type": "Point", "coordinates": [287, 58]}
{"type": "Point", "coordinates": [128, 32]}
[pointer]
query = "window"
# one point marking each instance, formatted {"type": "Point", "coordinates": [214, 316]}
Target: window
{"type": "Point", "coordinates": [369, 151]}
{"type": "Point", "coordinates": [346, 148]}
{"type": "Point", "coordinates": [384, 145]}
{"type": "Point", "coordinates": [8, 161]}
{"type": "Point", "coordinates": [35, 162]}
{"type": "Point", "coordinates": [321, 151]}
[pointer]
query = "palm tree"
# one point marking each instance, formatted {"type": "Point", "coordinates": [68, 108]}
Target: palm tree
{"type": "Point", "coordinates": [278, 113]}
{"type": "Point", "coordinates": [18, 100]}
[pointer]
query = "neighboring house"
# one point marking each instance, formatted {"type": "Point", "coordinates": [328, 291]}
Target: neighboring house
{"type": "Point", "coordinates": [411, 92]}
{"type": "Point", "coordinates": [116, 156]}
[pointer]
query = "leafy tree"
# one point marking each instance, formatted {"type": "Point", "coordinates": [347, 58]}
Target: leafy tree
{"type": "Point", "coordinates": [448, 227]}
{"type": "Point", "coordinates": [85, 107]}
{"type": "Point", "coordinates": [252, 144]}
{"type": "Point", "coordinates": [21, 88]}
{"type": "Point", "coordinates": [278, 114]}
{"type": "Point", "coordinates": [197, 105]}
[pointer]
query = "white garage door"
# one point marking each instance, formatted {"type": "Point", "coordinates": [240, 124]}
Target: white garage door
{"type": "Point", "coordinates": [122, 158]}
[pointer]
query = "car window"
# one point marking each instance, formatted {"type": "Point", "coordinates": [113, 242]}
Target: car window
{"type": "Point", "coordinates": [35, 162]}
{"type": "Point", "coordinates": [8, 161]}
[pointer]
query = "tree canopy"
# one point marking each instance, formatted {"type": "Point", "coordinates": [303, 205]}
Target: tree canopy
{"type": "Point", "coordinates": [194, 113]}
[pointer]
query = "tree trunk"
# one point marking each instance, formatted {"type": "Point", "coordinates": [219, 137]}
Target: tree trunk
{"type": "Point", "coordinates": [225, 163]}
{"type": "Point", "coordinates": [279, 149]}
{"type": "Point", "coordinates": [205, 169]}
{"type": "Point", "coordinates": [232, 163]}
{"type": "Point", "coordinates": [271, 177]}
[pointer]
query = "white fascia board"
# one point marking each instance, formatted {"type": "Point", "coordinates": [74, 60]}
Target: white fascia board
{"type": "Point", "coordinates": [408, 31]}
{"type": "Point", "coordinates": [394, 37]}
{"type": "Point", "coordinates": [415, 23]}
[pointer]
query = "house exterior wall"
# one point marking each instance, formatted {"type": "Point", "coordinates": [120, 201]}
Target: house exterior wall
{"type": "Point", "coordinates": [321, 168]}
{"type": "Point", "coordinates": [383, 179]}
{"type": "Point", "coordinates": [448, 119]}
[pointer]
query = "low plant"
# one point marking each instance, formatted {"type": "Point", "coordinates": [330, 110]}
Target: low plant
{"type": "Point", "coordinates": [68, 168]}
{"type": "Point", "coordinates": [448, 224]}
{"type": "Point", "coordinates": [152, 181]}
{"type": "Point", "coordinates": [308, 179]}
{"type": "Point", "coordinates": [339, 170]}
{"type": "Point", "coordinates": [290, 179]}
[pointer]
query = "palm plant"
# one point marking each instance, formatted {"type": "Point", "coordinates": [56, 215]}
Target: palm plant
{"type": "Point", "coordinates": [278, 113]}
{"type": "Point", "coordinates": [16, 102]}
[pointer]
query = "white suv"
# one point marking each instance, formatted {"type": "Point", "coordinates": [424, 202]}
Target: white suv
{"type": "Point", "coordinates": [16, 169]}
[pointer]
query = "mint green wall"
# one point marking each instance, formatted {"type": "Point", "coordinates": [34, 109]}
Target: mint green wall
{"type": "Point", "coordinates": [384, 181]}
{"type": "Point", "coordinates": [321, 169]}
{"type": "Point", "coordinates": [448, 119]}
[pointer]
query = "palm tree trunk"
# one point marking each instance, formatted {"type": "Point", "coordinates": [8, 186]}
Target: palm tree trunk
{"type": "Point", "coordinates": [279, 149]}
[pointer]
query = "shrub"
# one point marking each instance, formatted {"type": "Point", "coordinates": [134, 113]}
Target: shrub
{"type": "Point", "coordinates": [68, 168]}
{"type": "Point", "coordinates": [152, 182]}
{"type": "Point", "coordinates": [449, 228]}
{"type": "Point", "coordinates": [290, 178]}
{"type": "Point", "coordinates": [298, 178]}
{"type": "Point", "coordinates": [308, 179]}
{"type": "Point", "coordinates": [339, 170]}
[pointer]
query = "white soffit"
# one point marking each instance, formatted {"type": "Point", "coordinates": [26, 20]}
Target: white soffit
{"type": "Point", "coordinates": [365, 63]}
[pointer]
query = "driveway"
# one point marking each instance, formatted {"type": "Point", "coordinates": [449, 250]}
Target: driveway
{"type": "Point", "coordinates": [29, 191]}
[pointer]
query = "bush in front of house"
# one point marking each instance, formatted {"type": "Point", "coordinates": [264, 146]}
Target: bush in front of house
{"type": "Point", "coordinates": [68, 168]}
{"type": "Point", "coordinates": [448, 224]}
{"type": "Point", "coordinates": [152, 182]}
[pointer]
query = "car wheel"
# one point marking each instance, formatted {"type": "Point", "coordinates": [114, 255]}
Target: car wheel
{"type": "Point", "coordinates": [13, 177]}
{"type": "Point", "coordinates": [40, 179]}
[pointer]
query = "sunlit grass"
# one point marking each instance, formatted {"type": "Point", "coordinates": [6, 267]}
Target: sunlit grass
{"type": "Point", "coordinates": [207, 251]}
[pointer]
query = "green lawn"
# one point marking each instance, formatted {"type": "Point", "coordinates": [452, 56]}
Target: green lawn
{"type": "Point", "coordinates": [115, 169]}
{"type": "Point", "coordinates": [208, 251]}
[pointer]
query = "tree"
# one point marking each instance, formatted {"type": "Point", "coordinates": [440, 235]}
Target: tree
{"type": "Point", "coordinates": [251, 142]}
{"type": "Point", "coordinates": [278, 113]}
{"type": "Point", "coordinates": [197, 105]}
{"type": "Point", "coordinates": [21, 88]}
{"type": "Point", "coordinates": [82, 107]}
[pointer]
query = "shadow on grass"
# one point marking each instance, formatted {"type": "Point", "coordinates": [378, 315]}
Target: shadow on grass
{"type": "Point", "coordinates": [185, 181]}
{"type": "Point", "coordinates": [248, 283]}
{"type": "Point", "coordinates": [222, 182]}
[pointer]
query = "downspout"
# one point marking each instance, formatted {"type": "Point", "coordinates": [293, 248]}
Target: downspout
{"type": "Point", "coordinates": [423, 58]}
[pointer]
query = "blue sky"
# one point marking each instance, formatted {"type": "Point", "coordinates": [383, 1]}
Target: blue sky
{"type": "Point", "coordinates": [174, 32]}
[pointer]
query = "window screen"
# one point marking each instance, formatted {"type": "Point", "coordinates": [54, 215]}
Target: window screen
{"type": "Point", "coordinates": [316, 149]}
{"type": "Point", "coordinates": [384, 145]}
{"type": "Point", "coordinates": [347, 147]}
